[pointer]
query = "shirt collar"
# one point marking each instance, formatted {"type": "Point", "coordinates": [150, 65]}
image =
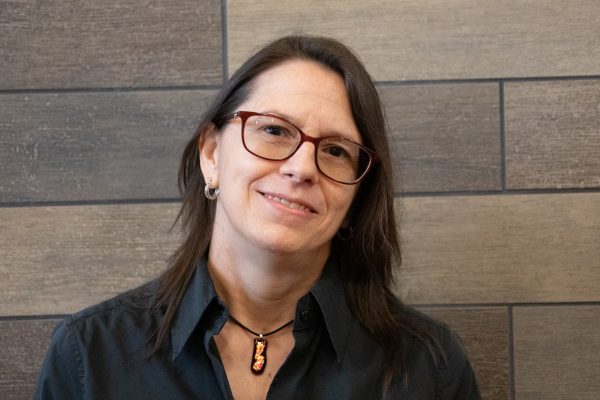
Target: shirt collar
{"type": "Point", "coordinates": [199, 294]}
{"type": "Point", "coordinates": [331, 297]}
{"type": "Point", "coordinates": [328, 292]}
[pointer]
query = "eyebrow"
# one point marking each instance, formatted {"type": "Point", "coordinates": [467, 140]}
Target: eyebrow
{"type": "Point", "coordinates": [280, 114]}
{"type": "Point", "coordinates": [289, 118]}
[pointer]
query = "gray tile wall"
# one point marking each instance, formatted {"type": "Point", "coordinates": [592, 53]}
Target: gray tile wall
{"type": "Point", "coordinates": [494, 109]}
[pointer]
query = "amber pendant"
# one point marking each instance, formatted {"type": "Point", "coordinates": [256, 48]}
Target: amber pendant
{"type": "Point", "coordinates": [259, 356]}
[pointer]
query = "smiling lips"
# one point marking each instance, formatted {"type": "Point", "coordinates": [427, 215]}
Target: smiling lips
{"type": "Point", "coordinates": [289, 204]}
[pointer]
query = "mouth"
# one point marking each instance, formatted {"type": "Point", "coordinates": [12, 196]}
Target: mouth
{"type": "Point", "coordinates": [291, 204]}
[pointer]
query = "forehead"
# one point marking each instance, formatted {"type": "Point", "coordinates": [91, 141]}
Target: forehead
{"type": "Point", "coordinates": [309, 94]}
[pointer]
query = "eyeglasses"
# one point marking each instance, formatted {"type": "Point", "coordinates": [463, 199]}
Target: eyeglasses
{"type": "Point", "coordinates": [273, 138]}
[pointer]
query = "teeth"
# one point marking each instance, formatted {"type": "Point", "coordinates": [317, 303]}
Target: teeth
{"type": "Point", "coordinates": [287, 203]}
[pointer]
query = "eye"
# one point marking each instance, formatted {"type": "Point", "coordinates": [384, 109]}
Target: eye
{"type": "Point", "coordinates": [275, 130]}
{"type": "Point", "coordinates": [335, 151]}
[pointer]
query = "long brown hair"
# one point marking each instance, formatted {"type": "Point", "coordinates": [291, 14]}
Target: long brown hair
{"type": "Point", "coordinates": [372, 253]}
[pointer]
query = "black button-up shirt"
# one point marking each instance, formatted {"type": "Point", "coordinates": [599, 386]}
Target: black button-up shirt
{"type": "Point", "coordinates": [103, 352]}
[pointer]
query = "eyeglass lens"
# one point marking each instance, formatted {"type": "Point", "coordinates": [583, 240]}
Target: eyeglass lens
{"type": "Point", "coordinates": [276, 139]}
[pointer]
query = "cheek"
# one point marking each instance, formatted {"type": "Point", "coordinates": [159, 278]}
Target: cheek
{"type": "Point", "coordinates": [233, 158]}
{"type": "Point", "coordinates": [340, 200]}
{"type": "Point", "coordinates": [238, 170]}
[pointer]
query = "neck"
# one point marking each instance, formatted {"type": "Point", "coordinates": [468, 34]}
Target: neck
{"type": "Point", "coordinates": [260, 287]}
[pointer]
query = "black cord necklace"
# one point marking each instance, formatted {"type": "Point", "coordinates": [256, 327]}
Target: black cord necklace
{"type": "Point", "coordinates": [258, 362]}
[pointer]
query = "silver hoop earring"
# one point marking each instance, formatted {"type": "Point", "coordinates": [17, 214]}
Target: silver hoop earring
{"type": "Point", "coordinates": [211, 193]}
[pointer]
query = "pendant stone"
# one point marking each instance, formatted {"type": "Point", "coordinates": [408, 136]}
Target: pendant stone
{"type": "Point", "coordinates": [259, 356]}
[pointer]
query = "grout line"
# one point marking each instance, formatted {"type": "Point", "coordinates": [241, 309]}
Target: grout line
{"type": "Point", "coordinates": [486, 80]}
{"type": "Point", "coordinates": [502, 136]}
{"type": "Point", "coordinates": [463, 306]}
{"type": "Point", "coordinates": [551, 78]}
{"type": "Point", "coordinates": [511, 353]}
{"type": "Point", "coordinates": [110, 89]}
{"type": "Point", "coordinates": [496, 305]}
{"type": "Point", "coordinates": [225, 49]}
{"type": "Point", "coordinates": [224, 39]}
{"type": "Point", "coordinates": [87, 202]}
{"type": "Point", "coordinates": [497, 192]}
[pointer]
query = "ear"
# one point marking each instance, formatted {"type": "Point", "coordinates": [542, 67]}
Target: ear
{"type": "Point", "coordinates": [346, 223]}
{"type": "Point", "coordinates": [208, 145]}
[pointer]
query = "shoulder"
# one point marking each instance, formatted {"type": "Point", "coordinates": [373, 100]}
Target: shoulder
{"type": "Point", "coordinates": [127, 304]}
{"type": "Point", "coordinates": [418, 322]}
{"type": "Point", "coordinates": [423, 325]}
{"type": "Point", "coordinates": [449, 366]}
{"type": "Point", "coordinates": [112, 316]}
{"type": "Point", "coordinates": [124, 323]}
{"type": "Point", "coordinates": [120, 326]}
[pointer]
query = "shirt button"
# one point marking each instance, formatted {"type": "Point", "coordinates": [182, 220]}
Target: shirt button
{"type": "Point", "coordinates": [305, 315]}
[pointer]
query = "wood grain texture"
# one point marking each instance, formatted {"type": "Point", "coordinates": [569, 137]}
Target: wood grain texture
{"type": "Point", "coordinates": [556, 352]}
{"type": "Point", "coordinates": [444, 137]}
{"type": "Point", "coordinates": [114, 43]}
{"type": "Point", "coordinates": [497, 249]}
{"type": "Point", "coordinates": [57, 260]}
{"type": "Point", "coordinates": [23, 344]}
{"type": "Point", "coordinates": [484, 332]}
{"type": "Point", "coordinates": [95, 146]}
{"type": "Point", "coordinates": [437, 39]}
{"type": "Point", "coordinates": [552, 134]}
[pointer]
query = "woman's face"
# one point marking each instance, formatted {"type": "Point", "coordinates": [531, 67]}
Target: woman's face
{"type": "Point", "coordinates": [283, 206]}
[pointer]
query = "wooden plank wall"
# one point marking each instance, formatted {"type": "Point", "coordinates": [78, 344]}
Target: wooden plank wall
{"type": "Point", "coordinates": [494, 108]}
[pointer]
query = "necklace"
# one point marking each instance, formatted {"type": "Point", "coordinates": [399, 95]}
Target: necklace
{"type": "Point", "coordinates": [258, 362]}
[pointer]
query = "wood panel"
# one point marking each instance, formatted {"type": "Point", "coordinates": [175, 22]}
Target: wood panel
{"type": "Point", "coordinates": [56, 260]}
{"type": "Point", "coordinates": [438, 39]}
{"type": "Point", "coordinates": [504, 248]}
{"type": "Point", "coordinates": [484, 332]}
{"type": "Point", "coordinates": [552, 134]}
{"type": "Point", "coordinates": [23, 344]}
{"type": "Point", "coordinates": [556, 352]}
{"type": "Point", "coordinates": [114, 43]}
{"type": "Point", "coordinates": [91, 146]}
{"type": "Point", "coordinates": [444, 137]}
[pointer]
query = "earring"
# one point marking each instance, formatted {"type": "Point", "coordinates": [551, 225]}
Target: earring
{"type": "Point", "coordinates": [211, 193]}
{"type": "Point", "coordinates": [345, 234]}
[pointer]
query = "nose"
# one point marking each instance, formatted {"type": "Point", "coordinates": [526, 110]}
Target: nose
{"type": "Point", "coordinates": [301, 166]}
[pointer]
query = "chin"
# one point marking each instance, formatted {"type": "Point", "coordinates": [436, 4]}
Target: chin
{"type": "Point", "coordinates": [286, 245]}
{"type": "Point", "coordinates": [282, 247]}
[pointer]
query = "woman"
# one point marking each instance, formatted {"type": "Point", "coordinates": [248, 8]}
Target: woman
{"type": "Point", "coordinates": [281, 288]}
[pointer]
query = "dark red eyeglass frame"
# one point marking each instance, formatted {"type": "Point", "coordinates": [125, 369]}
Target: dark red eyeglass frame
{"type": "Point", "coordinates": [244, 115]}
